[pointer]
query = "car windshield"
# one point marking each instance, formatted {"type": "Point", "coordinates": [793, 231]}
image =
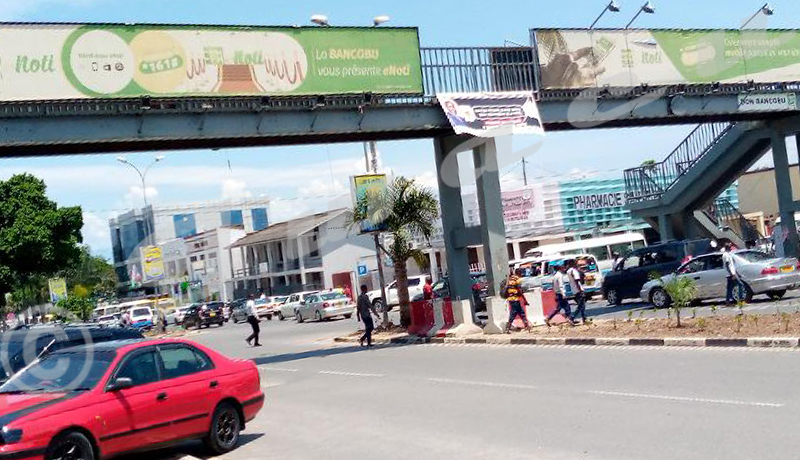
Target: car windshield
{"type": "Point", "coordinates": [140, 312]}
{"type": "Point", "coordinates": [106, 318]}
{"type": "Point", "coordinates": [61, 372]}
{"type": "Point", "coordinates": [332, 296]}
{"type": "Point", "coordinates": [754, 256]}
{"type": "Point", "coordinates": [280, 299]}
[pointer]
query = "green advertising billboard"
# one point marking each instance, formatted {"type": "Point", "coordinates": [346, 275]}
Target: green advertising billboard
{"type": "Point", "coordinates": [111, 61]}
{"type": "Point", "coordinates": [581, 58]}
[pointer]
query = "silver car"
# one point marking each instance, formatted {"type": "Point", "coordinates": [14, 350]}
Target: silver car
{"type": "Point", "coordinates": [324, 306]}
{"type": "Point", "coordinates": [760, 273]}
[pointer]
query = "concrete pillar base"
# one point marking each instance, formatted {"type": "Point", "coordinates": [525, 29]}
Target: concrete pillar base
{"type": "Point", "coordinates": [462, 314]}
{"type": "Point", "coordinates": [498, 315]}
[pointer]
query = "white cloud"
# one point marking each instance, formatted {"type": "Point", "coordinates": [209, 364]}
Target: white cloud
{"type": "Point", "coordinates": [234, 188]}
{"type": "Point", "coordinates": [96, 233]}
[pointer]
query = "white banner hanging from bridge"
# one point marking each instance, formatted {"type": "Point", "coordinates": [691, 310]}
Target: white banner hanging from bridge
{"type": "Point", "coordinates": [492, 114]}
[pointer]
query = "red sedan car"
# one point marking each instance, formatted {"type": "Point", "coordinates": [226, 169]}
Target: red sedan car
{"type": "Point", "coordinates": [100, 400]}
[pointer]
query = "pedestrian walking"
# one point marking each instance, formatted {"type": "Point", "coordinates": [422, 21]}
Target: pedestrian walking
{"type": "Point", "coordinates": [364, 312]}
{"type": "Point", "coordinates": [427, 290]}
{"type": "Point", "coordinates": [733, 280]}
{"type": "Point", "coordinates": [126, 319]}
{"type": "Point", "coordinates": [162, 321]}
{"type": "Point", "coordinates": [576, 280]}
{"type": "Point", "coordinates": [252, 318]}
{"type": "Point", "coordinates": [348, 292]}
{"type": "Point", "coordinates": [513, 294]}
{"type": "Point", "coordinates": [563, 290]}
{"type": "Point", "coordinates": [616, 261]}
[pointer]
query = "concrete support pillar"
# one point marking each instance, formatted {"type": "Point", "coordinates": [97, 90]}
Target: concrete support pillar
{"type": "Point", "coordinates": [452, 216]}
{"type": "Point", "coordinates": [493, 228]}
{"type": "Point", "coordinates": [300, 255]}
{"type": "Point", "coordinates": [434, 271]}
{"type": "Point", "coordinates": [517, 250]}
{"type": "Point", "coordinates": [664, 228]}
{"type": "Point", "coordinates": [783, 183]}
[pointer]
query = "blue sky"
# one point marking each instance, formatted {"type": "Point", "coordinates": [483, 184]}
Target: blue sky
{"type": "Point", "coordinates": [301, 179]}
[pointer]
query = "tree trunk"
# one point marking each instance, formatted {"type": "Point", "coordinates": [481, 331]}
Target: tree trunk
{"type": "Point", "coordinates": [401, 276]}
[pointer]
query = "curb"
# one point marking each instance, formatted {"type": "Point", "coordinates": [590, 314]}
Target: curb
{"type": "Point", "coordinates": [752, 342]}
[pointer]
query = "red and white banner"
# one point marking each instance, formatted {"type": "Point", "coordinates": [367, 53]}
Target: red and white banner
{"type": "Point", "coordinates": [492, 114]}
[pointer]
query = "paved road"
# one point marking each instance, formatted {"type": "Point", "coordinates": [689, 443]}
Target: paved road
{"type": "Point", "coordinates": [432, 402]}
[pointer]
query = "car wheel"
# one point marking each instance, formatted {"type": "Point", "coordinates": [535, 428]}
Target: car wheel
{"type": "Point", "coordinates": [318, 316]}
{"type": "Point", "coordinates": [269, 317]}
{"type": "Point", "coordinates": [776, 295]}
{"type": "Point", "coordinates": [378, 304]}
{"type": "Point", "coordinates": [224, 432]}
{"type": "Point", "coordinates": [70, 445]}
{"type": "Point", "coordinates": [613, 297]}
{"type": "Point", "coordinates": [659, 298]}
{"type": "Point", "coordinates": [280, 316]}
{"type": "Point", "coordinates": [348, 316]}
{"type": "Point", "coordinates": [235, 321]}
{"type": "Point", "coordinates": [298, 317]}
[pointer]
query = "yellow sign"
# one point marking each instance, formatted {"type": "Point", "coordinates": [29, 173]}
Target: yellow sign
{"type": "Point", "coordinates": [152, 263]}
{"type": "Point", "coordinates": [373, 183]}
{"type": "Point", "coordinates": [58, 289]}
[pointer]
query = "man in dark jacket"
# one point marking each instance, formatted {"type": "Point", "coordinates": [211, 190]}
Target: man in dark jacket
{"type": "Point", "coordinates": [364, 312]}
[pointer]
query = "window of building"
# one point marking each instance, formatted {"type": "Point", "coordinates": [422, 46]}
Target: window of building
{"type": "Point", "coordinates": [260, 219]}
{"type": "Point", "coordinates": [232, 218]}
{"type": "Point", "coordinates": [185, 225]}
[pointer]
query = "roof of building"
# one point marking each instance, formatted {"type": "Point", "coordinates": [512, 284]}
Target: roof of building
{"type": "Point", "coordinates": [289, 229]}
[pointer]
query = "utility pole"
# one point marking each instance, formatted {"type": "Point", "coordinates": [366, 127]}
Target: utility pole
{"type": "Point", "coordinates": [524, 172]}
{"type": "Point", "coordinates": [371, 162]}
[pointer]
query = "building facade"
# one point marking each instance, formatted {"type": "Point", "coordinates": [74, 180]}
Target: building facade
{"type": "Point", "coordinates": [151, 225]}
{"type": "Point", "coordinates": [315, 252]}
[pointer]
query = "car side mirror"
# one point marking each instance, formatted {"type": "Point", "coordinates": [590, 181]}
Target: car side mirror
{"type": "Point", "coordinates": [121, 383]}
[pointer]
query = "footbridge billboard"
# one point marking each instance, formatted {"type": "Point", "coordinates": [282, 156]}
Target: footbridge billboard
{"type": "Point", "coordinates": [583, 58]}
{"type": "Point", "coordinates": [79, 61]}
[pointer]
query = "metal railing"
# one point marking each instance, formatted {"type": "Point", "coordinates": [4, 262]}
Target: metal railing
{"type": "Point", "coordinates": [650, 181]}
{"type": "Point", "coordinates": [725, 214]}
{"type": "Point", "coordinates": [446, 70]}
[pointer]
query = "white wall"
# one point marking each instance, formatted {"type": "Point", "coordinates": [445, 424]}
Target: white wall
{"type": "Point", "coordinates": [341, 249]}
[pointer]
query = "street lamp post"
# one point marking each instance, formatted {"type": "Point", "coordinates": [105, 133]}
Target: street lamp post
{"type": "Point", "coordinates": [766, 10]}
{"type": "Point", "coordinates": [646, 8]}
{"type": "Point", "coordinates": [612, 6]}
{"type": "Point", "coordinates": [143, 176]}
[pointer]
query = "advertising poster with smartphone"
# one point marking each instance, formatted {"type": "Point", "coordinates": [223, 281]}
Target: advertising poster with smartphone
{"type": "Point", "coordinates": [597, 58]}
{"type": "Point", "coordinates": [65, 61]}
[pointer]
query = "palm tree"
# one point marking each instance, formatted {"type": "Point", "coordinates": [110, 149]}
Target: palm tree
{"type": "Point", "coordinates": [404, 210]}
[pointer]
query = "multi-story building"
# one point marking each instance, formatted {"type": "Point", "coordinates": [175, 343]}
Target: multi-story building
{"type": "Point", "coordinates": [153, 225]}
{"type": "Point", "coordinates": [320, 251]}
{"type": "Point", "coordinates": [211, 269]}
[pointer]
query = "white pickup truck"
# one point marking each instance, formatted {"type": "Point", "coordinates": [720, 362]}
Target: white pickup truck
{"type": "Point", "coordinates": [415, 285]}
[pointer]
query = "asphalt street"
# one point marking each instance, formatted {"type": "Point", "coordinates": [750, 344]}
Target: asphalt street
{"type": "Point", "coordinates": [328, 401]}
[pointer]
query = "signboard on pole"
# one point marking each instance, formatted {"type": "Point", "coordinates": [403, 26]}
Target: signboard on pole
{"type": "Point", "coordinates": [74, 61]}
{"type": "Point", "coordinates": [581, 58]}
{"type": "Point", "coordinates": [152, 263]}
{"type": "Point", "coordinates": [767, 102]}
{"type": "Point", "coordinates": [492, 114]}
{"type": "Point", "coordinates": [368, 183]}
{"type": "Point", "coordinates": [58, 289]}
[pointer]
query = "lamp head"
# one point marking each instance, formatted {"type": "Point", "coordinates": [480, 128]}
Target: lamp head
{"type": "Point", "coordinates": [649, 8]}
{"type": "Point", "coordinates": [378, 20]}
{"type": "Point", "coordinates": [160, 157]}
{"type": "Point", "coordinates": [320, 19]}
{"type": "Point", "coordinates": [767, 10]}
{"type": "Point", "coordinates": [613, 7]}
{"type": "Point", "coordinates": [122, 159]}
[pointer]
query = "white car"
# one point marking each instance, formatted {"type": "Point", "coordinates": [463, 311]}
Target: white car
{"type": "Point", "coordinates": [288, 309]}
{"type": "Point", "coordinates": [415, 285]}
{"type": "Point", "coordinates": [268, 306]}
{"type": "Point", "coordinates": [177, 316]}
{"type": "Point", "coordinates": [324, 306]}
{"type": "Point", "coordinates": [109, 320]}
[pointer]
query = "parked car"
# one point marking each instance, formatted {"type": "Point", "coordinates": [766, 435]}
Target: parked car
{"type": "Point", "coordinates": [324, 306]}
{"type": "Point", "coordinates": [141, 318]}
{"type": "Point", "coordinates": [239, 313]}
{"type": "Point", "coordinates": [204, 314]}
{"type": "Point", "coordinates": [638, 266]}
{"type": "Point", "coordinates": [110, 320]}
{"type": "Point", "coordinates": [480, 290]}
{"type": "Point", "coordinates": [539, 272]}
{"type": "Point", "coordinates": [180, 313]}
{"type": "Point", "coordinates": [147, 394]}
{"type": "Point", "coordinates": [268, 307]}
{"type": "Point", "coordinates": [23, 345]}
{"type": "Point", "coordinates": [288, 309]}
{"type": "Point", "coordinates": [415, 285]}
{"type": "Point", "coordinates": [760, 272]}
